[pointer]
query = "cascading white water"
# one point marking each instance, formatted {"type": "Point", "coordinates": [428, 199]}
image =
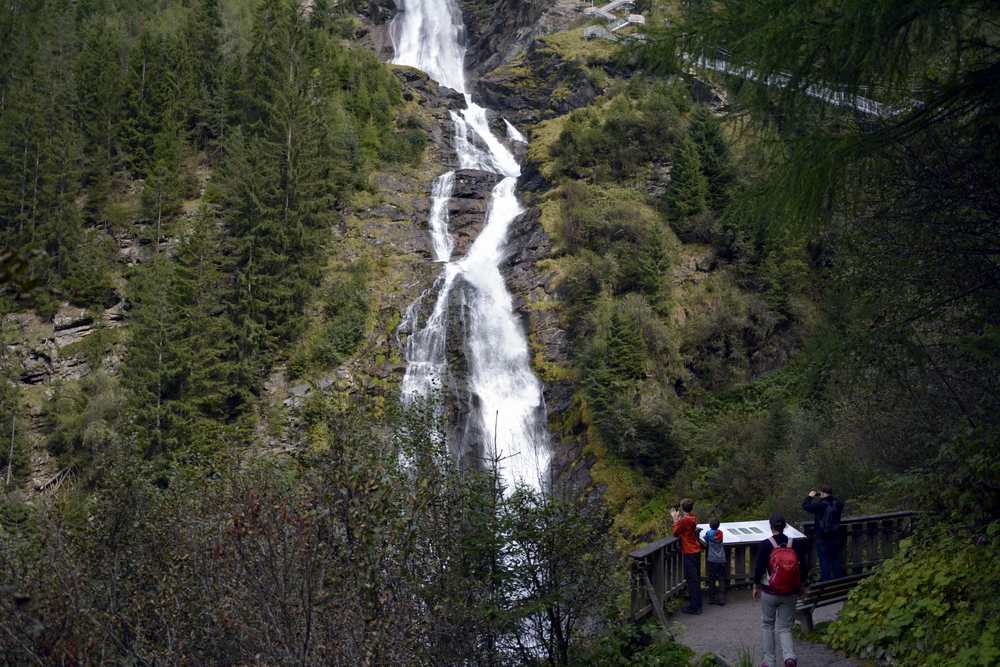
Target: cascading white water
{"type": "Point", "coordinates": [440, 238]}
{"type": "Point", "coordinates": [427, 35]}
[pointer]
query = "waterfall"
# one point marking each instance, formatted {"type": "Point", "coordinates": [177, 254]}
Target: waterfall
{"type": "Point", "coordinates": [427, 34]}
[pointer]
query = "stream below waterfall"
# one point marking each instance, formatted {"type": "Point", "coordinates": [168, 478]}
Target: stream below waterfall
{"type": "Point", "coordinates": [506, 401]}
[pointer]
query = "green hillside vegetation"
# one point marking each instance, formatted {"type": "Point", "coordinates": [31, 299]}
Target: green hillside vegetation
{"type": "Point", "coordinates": [220, 138]}
{"type": "Point", "coordinates": [758, 297]}
{"type": "Point", "coordinates": [210, 165]}
{"type": "Point", "coordinates": [668, 301]}
{"type": "Point", "coordinates": [847, 333]}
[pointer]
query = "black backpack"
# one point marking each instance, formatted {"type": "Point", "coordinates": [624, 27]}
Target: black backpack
{"type": "Point", "coordinates": [829, 521]}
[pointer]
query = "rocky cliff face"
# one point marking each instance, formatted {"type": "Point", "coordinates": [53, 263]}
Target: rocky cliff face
{"type": "Point", "coordinates": [468, 206]}
{"type": "Point", "coordinates": [500, 30]}
{"type": "Point", "coordinates": [376, 16]}
{"type": "Point", "coordinates": [538, 85]}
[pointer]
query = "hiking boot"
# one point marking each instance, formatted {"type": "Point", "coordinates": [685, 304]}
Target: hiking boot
{"type": "Point", "coordinates": [791, 662]}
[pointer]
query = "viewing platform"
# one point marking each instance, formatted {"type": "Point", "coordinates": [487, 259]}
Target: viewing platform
{"type": "Point", "coordinates": [732, 632]}
{"type": "Point", "coordinates": [657, 573]}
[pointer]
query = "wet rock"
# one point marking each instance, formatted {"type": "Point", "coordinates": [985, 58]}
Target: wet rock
{"type": "Point", "coordinates": [497, 31]}
{"type": "Point", "coordinates": [461, 405]}
{"type": "Point", "coordinates": [429, 90]}
{"type": "Point", "coordinates": [468, 205]}
{"type": "Point", "coordinates": [532, 180]}
{"type": "Point", "coordinates": [379, 11]}
{"type": "Point", "coordinates": [375, 30]}
{"type": "Point", "coordinates": [435, 104]}
{"type": "Point", "coordinates": [540, 85]}
{"type": "Point", "coordinates": [533, 289]}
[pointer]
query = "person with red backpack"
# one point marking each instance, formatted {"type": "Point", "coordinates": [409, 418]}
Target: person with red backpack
{"type": "Point", "coordinates": [778, 573]}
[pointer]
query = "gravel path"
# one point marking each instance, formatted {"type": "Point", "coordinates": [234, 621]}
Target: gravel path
{"type": "Point", "coordinates": [734, 630]}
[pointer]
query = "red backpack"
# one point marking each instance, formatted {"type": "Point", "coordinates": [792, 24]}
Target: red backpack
{"type": "Point", "coordinates": [784, 569]}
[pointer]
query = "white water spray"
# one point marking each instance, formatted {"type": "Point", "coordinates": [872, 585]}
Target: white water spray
{"type": "Point", "coordinates": [427, 35]}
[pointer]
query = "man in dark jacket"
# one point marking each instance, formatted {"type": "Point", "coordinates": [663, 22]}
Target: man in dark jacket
{"type": "Point", "coordinates": [829, 546]}
{"type": "Point", "coordinates": [777, 606]}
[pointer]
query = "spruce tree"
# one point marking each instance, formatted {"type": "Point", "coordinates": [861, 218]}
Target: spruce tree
{"type": "Point", "coordinates": [164, 189]}
{"type": "Point", "coordinates": [277, 188]}
{"type": "Point", "coordinates": [688, 193]}
{"type": "Point", "coordinates": [153, 369]}
{"type": "Point", "coordinates": [626, 349]}
{"type": "Point", "coordinates": [100, 86]}
{"type": "Point", "coordinates": [203, 296]}
{"type": "Point", "coordinates": [713, 151]}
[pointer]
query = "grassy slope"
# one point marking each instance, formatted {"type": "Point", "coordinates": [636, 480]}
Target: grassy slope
{"type": "Point", "coordinates": [695, 301]}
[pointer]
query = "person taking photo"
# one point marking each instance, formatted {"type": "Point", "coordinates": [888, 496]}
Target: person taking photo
{"type": "Point", "coordinates": [686, 528]}
{"type": "Point", "coordinates": [827, 510]}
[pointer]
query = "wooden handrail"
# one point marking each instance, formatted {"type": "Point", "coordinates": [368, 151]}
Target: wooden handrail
{"type": "Point", "coordinates": [642, 552]}
{"type": "Point", "coordinates": [866, 518]}
{"type": "Point", "coordinates": [657, 576]}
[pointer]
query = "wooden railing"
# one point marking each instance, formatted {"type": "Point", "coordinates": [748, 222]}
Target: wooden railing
{"type": "Point", "coordinates": [867, 540]}
{"type": "Point", "coordinates": [657, 573]}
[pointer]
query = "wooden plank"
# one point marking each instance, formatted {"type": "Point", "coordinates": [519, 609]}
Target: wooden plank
{"type": "Point", "coordinates": [847, 520]}
{"type": "Point", "coordinates": [888, 543]}
{"type": "Point", "coordinates": [741, 565]}
{"type": "Point", "coordinates": [642, 552]}
{"type": "Point", "coordinates": [655, 601]}
{"type": "Point", "coordinates": [857, 535]}
{"type": "Point", "coordinates": [634, 592]}
{"type": "Point", "coordinates": [872, 551]}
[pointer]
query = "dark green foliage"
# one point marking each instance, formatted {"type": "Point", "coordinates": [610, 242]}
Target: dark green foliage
{"type": "Point", "coordinates": [83, 419]}
{"type": "Point", "coordinates": [899, 218]}
{"type": "Point", "coordinates": [14, 423]}
{"type": "Point", "coordinates": [714, 155]}
{"type": "Point", "coordinates": [932, 603]}
{"type": "Point", "coordinates": [632, 645]}
{"type": "Point", "coordinates": [634, 419]}
{"type": "Point", "coordinates": [639, 126]}
{"type": "Point", "coordinates": [346, 311]}
{"type": "Point", "coordinates": [164, 187]}
{"type": "Point", "coordinates": [688, 192]}
{"type": "Point", "coordinates": [181, 367]}
{"type": "Point", "coordinates": [95, 94]}
{"type": "Point", "coordinates": [632, 242]}
{"type": "Point", "coordinates": [444, 563]}
{"type": "Point", "coordinates": [153, 371]}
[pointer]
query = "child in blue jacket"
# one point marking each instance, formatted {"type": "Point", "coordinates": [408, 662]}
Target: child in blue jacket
{"type": "Point", "coordinates": [718, 575]}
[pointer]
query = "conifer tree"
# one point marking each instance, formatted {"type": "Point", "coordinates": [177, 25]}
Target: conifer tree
{"type": "Point", "coordinates": [713, 151]}
{"type": "Point", "coordinates": [209, 108]}
{"type": "Point", "coordinates": [626, 349]}
{"type": "Point", "coordinates": [100, 86]}
{"type": "Point", "coordinates": [688, 193]}
{"type": "Point", "coordinates": [139, 117]}
{"type": "Point", "coordinates": [155, 358]}
{"type": "Point", "coordinates": [163, 190]}
{"type": "Point", "coordinates": [277, 187]}
{"type": "Point", "coordinates": [203, 294]}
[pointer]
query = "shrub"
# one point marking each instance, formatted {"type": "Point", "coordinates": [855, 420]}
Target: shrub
{"type": "Point", "coordinates": [933, 603]}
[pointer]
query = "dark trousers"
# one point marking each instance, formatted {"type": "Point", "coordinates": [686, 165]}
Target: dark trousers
{"type": "Point", "coordinates": [692, 573]}
{"type": "Point", "coordinates": [830, 552]}
{"type": "Point", "coordinates": [717, 580]}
